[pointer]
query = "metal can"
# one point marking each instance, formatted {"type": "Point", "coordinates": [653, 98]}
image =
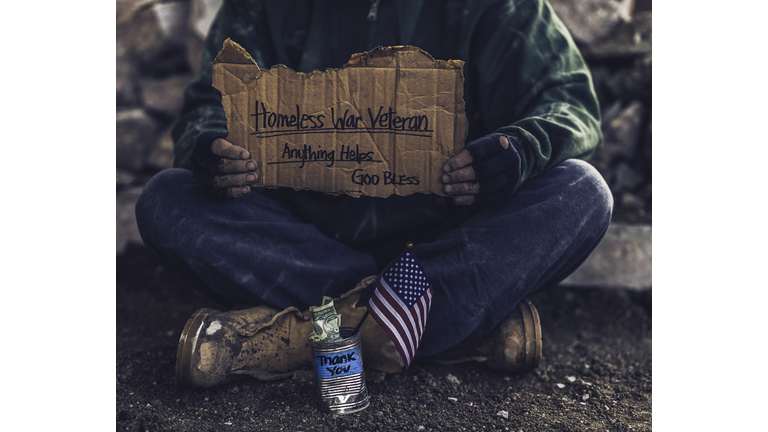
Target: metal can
{"type": "Point", "coordinates": [340, 379]}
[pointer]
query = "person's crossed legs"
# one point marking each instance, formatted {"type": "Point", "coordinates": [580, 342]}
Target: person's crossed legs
{"type": "Point", "coordinates": [481, 262]}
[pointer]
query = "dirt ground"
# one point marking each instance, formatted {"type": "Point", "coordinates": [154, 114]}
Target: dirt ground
{"type": "Point", "coordinates": [595, 373]}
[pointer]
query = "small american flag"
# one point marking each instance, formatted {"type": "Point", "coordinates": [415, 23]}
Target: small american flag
{"type": "Point", "coordinates": [400, 303]}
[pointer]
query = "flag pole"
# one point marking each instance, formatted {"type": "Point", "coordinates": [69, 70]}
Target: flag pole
{"type": "Point", "coordinates": [408, 245]}
{"type": "Point", "coordinates": [360, 324]}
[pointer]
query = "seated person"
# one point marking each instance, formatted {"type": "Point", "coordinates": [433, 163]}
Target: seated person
{"type": "Point", "coordinates": [524, 209]}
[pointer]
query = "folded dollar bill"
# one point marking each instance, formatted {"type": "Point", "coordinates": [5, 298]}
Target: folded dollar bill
{"type": "Point", "coordinates": [325, 321]}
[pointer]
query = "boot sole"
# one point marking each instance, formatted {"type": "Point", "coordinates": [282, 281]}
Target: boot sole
{"type": "Point", "coordinates": [532, 331]}
{"type": "Point", "coordinates": [187, 345]}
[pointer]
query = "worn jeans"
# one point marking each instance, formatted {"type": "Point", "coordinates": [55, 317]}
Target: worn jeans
{"type": "Point", "coordinates": [481, 260]}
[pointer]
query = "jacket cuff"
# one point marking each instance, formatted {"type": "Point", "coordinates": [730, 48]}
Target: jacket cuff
{"type": "Point", "coordinates": [207, 138]}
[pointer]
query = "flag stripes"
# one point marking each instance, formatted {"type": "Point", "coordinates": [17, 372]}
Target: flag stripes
{"type": "Point", "coordinates": [403, 280]}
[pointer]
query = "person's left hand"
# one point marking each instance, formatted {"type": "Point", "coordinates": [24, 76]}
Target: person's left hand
{"type": "Point", "coordinates": [494, 162]}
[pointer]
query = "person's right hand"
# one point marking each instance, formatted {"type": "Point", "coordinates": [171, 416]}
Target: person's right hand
{"type": "Point", "coordinates": [225, 168]}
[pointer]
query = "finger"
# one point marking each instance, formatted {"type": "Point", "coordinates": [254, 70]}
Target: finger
{"type": "Point", "coordinates": [237, 192]}
{"type": "Point", "coordinates": [464, 199]}
{"type": "Point", "coordinates": [226, 149]}
{"type": "Point", "coordinates": [463, 175]}
{"type": "Point", "coordinates": [230, 166]}
{"type": "Point", "coordinates": [469, 188]}
{"type": "Point", "coordinates": [459, 161]}
{"type": "Point", "coordinates": [234, 180]}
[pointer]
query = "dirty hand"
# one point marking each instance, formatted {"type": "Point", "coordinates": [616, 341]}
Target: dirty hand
{"type": "Point", "coordinates": [225, 168]}
{"type": "Point", "coordinates": [487, 168]}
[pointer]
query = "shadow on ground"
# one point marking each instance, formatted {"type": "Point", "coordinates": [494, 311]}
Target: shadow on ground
{"type": "Point", "coordinates": [595, 373]}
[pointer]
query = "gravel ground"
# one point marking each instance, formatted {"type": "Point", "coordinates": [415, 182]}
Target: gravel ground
{"type": "Point", "coordinates": [595, 372]}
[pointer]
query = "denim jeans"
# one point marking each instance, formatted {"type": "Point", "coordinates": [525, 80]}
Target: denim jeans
{"type": "Point", "coordinates": [287, 248]}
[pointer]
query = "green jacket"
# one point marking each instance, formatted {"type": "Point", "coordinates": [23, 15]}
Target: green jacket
{"type": "Point", "coordinates": [524, 77]}
{"type": "Point", "coordinates": [523, 74]}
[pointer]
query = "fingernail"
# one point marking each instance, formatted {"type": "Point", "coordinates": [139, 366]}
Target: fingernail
{"type": "Point", "coordinates": [246, 189]}
{"type": "Point", "coordinates": [245, 155]}
{"type": "Point", "coordinates": [448, 189]}
{"type": "Point", "coordinates": [250, 166]}
{"type": "Point", "coordinates": [251, 177]}
{"type": "Point", "coordinates": [446, 168]}
{"type": "Point", "coordinates": [446, 178]}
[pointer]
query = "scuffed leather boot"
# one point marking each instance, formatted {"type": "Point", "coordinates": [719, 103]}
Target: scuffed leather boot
{"type": "Point", "coordinates": [514, 346]}
{"type": "Point", "coordinates": [219, 347]}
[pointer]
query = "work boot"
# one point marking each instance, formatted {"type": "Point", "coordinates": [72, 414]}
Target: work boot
{"type": "Point", "coordinates": [514, 346]}
{"type": "Point", "coordinates": [219, 347]}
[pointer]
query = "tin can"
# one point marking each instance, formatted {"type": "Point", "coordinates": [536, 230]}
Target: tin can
{"type": "Point", "coordinates": [340, 379]}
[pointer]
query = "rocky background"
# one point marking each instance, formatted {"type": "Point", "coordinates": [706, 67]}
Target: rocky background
{"type": "Point", "coordinates": [159, 47]}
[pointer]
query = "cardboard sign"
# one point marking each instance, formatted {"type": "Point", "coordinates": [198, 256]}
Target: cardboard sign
{"type": "Point", "coordinates": [383, 124]}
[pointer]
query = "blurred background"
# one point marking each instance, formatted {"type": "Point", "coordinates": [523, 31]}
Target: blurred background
{"type": "Point", "coordinates": [159, 51]}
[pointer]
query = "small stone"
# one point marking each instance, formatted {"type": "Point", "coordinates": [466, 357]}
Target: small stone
{"type": "Point", "coordinates": [560, 385]}
{"type": "Point", "coordinates": [625, 179]}
{"type": "Point", "coordinates": [421, 427]}
{"type": "Point", "coordinates": [127, 230]}
{"type": "Point", "coordinates": [164, 96]}
{"type": "Point", "coordinates": [452, 399]}
{"type": "Point", "coordinates": [195, 47]}
{"type": "Point", "coordinates": [622, 259]}
{"type": "Point", "coordinates": [628, 39]}
{"type": "Point", "coordinates": [155, 36]}
{"type": "Point", "coordinates": [585, 397]}
{"type": "Point", "coordinates": [590, 20]}
{"type": "Point", "coordinates": [633, 82]}
{"type": "Point", "coordinates": [571, 378]}
{"type": "Point", "coordinates": [136, 132]}
{"type": "Point", "coordinates": [128, 91]}
{"type": "Point", "coordinates": [452, 379]}
{"type": "Point", "coordinates": [202, 14]}
{"type": "Point", "coordinates": [124, 415]}
{"type": "Point", "coordinates": [303, 375]}
{"type": "Point", "coordinates": [646, 192]}
{"type": "Point", "coordinates": [125, 177]}
{"type": "Point", "coordinates": [233, 390]}
{"type": "Point", "coordinates": [127, 7]}
{"type": "Point", "coordinates": [631, 201]}
{"type": "Point", "coordinates": [503, 413]}
{"type": "Point", "coordinates": [621, 128]}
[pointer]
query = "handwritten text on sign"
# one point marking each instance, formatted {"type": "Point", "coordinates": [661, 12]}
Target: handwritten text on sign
{"type": "Point", "coordinates": [383, 124]}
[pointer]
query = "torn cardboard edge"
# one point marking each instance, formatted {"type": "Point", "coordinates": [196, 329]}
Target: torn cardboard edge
{"type": "Point", "coordinates": [407, 56]}
{"type": "Point", "coordinates": [382, 124]}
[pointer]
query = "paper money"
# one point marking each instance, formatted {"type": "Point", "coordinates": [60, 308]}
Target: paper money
{"type": "Point", "coordinates": [325, 321]}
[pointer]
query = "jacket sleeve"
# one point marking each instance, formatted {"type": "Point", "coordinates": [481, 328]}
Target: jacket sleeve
{"type": "Point", "coordinates": [244, 22]}
{"type": "Point", "coordinates": [533, 84]}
